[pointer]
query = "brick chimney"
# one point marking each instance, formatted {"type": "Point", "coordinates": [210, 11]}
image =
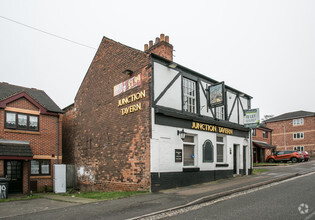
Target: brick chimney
{"type": "Point", "coordinates": [161, 47]}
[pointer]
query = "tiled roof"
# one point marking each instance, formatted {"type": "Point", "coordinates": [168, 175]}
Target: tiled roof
{"type": "Point", "coordinates": [291, 115]}
{"type": "Point", "coordinates": [8, 90]}
{"type": "Point", "coordinates": [15, 148]}
{"type": "Point", "coordinates": [262, 144]}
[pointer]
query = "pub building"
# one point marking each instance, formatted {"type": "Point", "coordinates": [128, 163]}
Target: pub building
{"type": "Point", "coordinates": [143, 122]}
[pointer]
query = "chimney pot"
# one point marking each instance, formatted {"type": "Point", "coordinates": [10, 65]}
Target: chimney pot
{"type": "Point", "coordinates": [167, 39]}
{"type": "Point", "coordinates": [162, 37]}
{"type": "Point", "coordinates": [159, 48]}
{"type": "Point", "coordinates": [146, 47]}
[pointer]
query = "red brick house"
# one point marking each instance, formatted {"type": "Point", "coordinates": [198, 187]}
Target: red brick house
{"type": "Point", "coordinates": [293, 131]}
{"type": "Point", "coordinates": [30, 138]}
{"type": "Point", "coordinates": [262, 143]}
{"type": "Point", "coordinates": [140, 121]}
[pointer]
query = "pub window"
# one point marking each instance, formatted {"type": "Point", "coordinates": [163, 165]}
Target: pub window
{"type": "Point", "coordinates": [19, 121]}
{"type": "Point", "coordinates": [189, 95]}
{"type": "Point", "coordinates": [189, 151]}
{"type": "Point", "coordinates": [40, 167]}
{"type": "Point", "coordinates": [220, 149]}
{"type": "Point", "coordinates": [219, 112]}
{"type": "Point", "coordinates": [208, 151]}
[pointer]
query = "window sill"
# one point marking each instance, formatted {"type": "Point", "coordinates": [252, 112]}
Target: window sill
{"type": "Point", "coordinates": [191, 169]}
{"type": "Point", "coordinates": [40, 177]}
{"type": "Point", "coordinates": [22, 131]}
{"type": "Point", "coordinates": [221, 165]}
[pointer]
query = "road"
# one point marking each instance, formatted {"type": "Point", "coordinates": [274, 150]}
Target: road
{"type": "Point", "coordinates": [256, 205]}
{"type": "Point", "coordinates": [293, 199]}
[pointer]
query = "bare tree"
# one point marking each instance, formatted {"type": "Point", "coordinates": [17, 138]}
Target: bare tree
{"type": "Point", "coordinates": [266, 117]}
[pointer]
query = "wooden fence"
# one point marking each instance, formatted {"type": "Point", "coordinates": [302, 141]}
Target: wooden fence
{"type": "Point", "coordinates": [71, 176]}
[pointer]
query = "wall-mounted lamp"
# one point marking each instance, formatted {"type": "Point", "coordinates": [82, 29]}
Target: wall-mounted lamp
{"type": "Point", "coordinates": [182, 134]}
{"type": "Point", "coordinates": [172, 65]}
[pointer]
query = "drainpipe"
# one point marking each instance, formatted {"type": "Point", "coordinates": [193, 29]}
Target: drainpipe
{"type": "Point", "coordinates": [284, 142]}
{"type": "Point", "coordinates": [58, 139]}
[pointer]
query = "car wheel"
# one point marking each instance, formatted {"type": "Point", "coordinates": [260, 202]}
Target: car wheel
{"type": "Point", "coordinates": [271, 160]}
{"type": "Point", "coordinates": [294, 159]}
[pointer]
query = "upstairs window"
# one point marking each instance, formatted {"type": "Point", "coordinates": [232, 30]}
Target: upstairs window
{"type": "Point", "coordinates": [20, 121]}
{"type": "Point", "coordinates": [265, 134]}
{"type": "Point", "coordinates": [299, 135]}
{"type": "Point", "coordinates": [219, 112]}
{"type": "Point", "coordinates": [189, 90]}
{"type": "Point", "coordinates": [299, 121]}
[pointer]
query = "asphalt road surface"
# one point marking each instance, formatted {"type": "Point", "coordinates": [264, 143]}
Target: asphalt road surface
{"type": "Point", "coordinates": [293, 199]}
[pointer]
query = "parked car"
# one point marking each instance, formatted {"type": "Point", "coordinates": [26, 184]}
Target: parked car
{"type": "Point", "coordinates": [284, 156]}
{"type": "Point", "coordinates": [305, 155]}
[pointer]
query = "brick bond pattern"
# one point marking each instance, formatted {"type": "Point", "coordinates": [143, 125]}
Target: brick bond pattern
{"type": "Point", "coordinates": [111, 150]}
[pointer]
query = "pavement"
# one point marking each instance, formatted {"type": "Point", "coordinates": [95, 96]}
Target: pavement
{"type": "Point", "coordinates": [150, 204]}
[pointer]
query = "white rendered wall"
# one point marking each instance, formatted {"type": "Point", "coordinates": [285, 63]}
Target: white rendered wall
{"type": "Point", "coordinates": [204, 102]}
{"type": "Point", "coordinates": [165, 140]}
{"type": "Point", "coordinates": [162, 77]}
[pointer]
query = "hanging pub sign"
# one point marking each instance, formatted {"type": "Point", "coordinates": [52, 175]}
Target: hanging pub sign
{"type": "Point", "coordinates": [251, 118]}
{"type": "Point", "coordinates": [217, 94]}
{"type": "Point", "coordinates": [127, 85]}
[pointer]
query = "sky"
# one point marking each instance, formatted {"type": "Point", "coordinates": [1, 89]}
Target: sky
{"type": "Point", "coordinates": [265, 49]}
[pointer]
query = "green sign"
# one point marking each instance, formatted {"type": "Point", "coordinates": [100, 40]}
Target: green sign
{"type": "Point", "coordinates": [251, 118]}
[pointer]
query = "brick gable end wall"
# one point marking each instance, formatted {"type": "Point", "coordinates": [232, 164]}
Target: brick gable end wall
{"type": "Point", "coordinates": [111, 150]}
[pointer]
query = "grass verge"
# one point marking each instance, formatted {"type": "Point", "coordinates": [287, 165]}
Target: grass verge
{"type": "Point", "coordinates": [104, 195]}
{"type": "Point", "coordinates": [259, 170]}
{"type": "Point", "coordinates": [21, 197]}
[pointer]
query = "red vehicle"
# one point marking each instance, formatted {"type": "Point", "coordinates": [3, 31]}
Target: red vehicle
{"type": "Point", "coordinates": [305, 155]}
{"type": "Point", "coordinates": [284, 156]}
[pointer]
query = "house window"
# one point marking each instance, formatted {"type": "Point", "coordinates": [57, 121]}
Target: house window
{"type": "Point", "coordinates": [298, 121]}
{"type": "Point", "coordinates": [219, 112]}
{"type": "Point", "coordinates": [40, 167]}
{"type": "Point", "coordinates": [220, 149]}
{"type": "Point", "coordinates": [189, 95]}
{"type": "Point", "coordinates": [254, 132]}
{"type": "Point", "coordinates": [299, 135]}
{"type": "Point", "coordinates": [299, 148]}
{"type": "Point", "coordinates": [208, 151]}
{"type": "Point", "coordinates": [21, 121]}
{"type": "Point", "coordinates": [265, 134]}
{"type": "Point", "coordinates": [189, 151]}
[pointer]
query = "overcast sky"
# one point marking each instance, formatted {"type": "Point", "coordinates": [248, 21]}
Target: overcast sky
{"type": "Point", "coordinates": [265, 49]}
